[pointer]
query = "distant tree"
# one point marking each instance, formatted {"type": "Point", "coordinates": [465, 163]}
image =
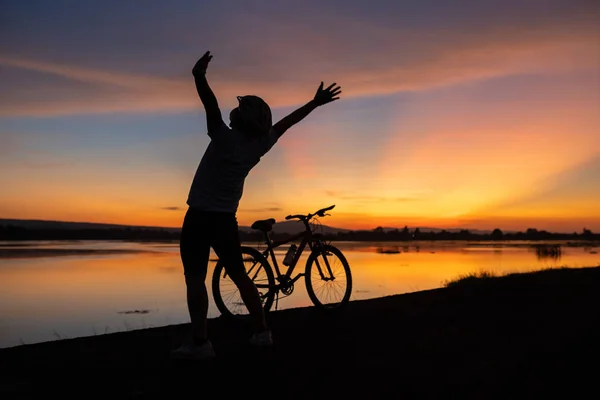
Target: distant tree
{"type": "Point", "coordinates": [531, 232]}
{"type": "Point", "coordinates": [497, 234]}
{"type": "Point", "coordinates": [406, 233]}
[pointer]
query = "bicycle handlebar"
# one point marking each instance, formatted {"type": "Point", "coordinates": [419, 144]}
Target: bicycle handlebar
{"type": "Point", "coordinates": [320, 213]}
{"type": "Point", "coordinates": [298, 216]}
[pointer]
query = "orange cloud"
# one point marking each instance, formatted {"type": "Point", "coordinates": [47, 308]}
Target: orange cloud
{"type": "Point", "coordinates": [443, 58]}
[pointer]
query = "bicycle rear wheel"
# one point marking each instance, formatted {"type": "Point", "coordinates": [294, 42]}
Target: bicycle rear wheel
{"type": "Point", "coordinates": [226, 294]}
{"type": "Point", "coordinates": [328, 278]}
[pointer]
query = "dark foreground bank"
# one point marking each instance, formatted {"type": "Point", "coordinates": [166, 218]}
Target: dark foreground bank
{"type": "Point", "coordinates": [522, 336]}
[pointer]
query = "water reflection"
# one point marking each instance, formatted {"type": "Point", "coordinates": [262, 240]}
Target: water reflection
{"type": "Point", "coordinates": [390, 250]}
{"type": "Point", "coordinates": [135, 285]}
{"type": "Point", "coordinates": [548, 251]}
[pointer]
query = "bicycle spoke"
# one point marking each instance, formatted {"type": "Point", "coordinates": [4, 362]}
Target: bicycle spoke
{"type": "Point", "coordinates": [229, 293]}
{"type": "Point", "coordinates": [257, 271]}
{"type": "Point", "coordinates": [328, 279]}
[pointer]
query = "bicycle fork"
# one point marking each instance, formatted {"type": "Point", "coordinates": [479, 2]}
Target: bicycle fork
{"type": "Point", "coordinates": [331, 277]}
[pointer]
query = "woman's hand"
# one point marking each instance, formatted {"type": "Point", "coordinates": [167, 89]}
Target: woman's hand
{"type": "Point", "coordinates": [214, 120]}
{"type": "Point", "coordinates": [202, 64]}
{"type": "Point", "coordinates": [323, 96]}
{"type": "Point", "coordinates": [327, 95]}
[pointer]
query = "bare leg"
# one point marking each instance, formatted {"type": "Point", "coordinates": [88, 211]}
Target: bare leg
{"type": "Point", "coordinates": [228, 248]}
{"type": "Point", "coordinates": [195, 251]}
{"type": "Point", "coordinates": [197, 300]}
{"type": "Point", "coordinates": [251, 298]}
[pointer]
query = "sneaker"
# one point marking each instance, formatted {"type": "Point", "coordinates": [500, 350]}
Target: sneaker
{"type": "Point", "coordinates": [262, 339]}
{"type": "Point", "coordinates": [192, 351]}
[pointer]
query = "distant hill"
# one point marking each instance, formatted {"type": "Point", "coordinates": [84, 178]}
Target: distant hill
{"type": "Point", "coordinates": [287, 227]}
{"type": "Point", "coordinates": [46, 224]}
{"type": "Point", "coordinates": [293, 227]}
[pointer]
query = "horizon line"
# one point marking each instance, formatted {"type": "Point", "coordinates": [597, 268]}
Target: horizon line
{"type": "Point", "coordinates": [330, 226]}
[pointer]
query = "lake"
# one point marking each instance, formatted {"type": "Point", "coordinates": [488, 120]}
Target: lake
{"type": "Point", "coordinates": [53, 290]}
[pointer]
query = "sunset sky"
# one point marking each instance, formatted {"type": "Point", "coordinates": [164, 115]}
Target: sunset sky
{"type": "Point", "coordinates": [473, 114]}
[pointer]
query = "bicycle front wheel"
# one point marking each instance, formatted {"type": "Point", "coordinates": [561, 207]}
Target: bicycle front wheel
{"type": "Point", "coordinates": [226, 294]}
{"type": "Point", "coordinates": [328, 278]}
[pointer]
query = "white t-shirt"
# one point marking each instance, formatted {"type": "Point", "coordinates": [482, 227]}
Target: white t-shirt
{"type": "Point", "coordinates": [219, 180]}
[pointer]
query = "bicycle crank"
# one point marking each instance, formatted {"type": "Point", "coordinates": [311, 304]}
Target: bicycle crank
{"type": "Point", "coordinates": [287, 286]}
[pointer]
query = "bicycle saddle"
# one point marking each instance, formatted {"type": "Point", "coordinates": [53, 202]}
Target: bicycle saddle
{"type": "Point", "coordinates": [264, 225]}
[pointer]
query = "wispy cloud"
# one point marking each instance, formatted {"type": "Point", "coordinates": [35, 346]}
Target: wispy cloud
{"type": "Point", "coordinates": [406, 61]}
{"type": "Point", "coordinates": [172, 208]}
{"type": "Point", "coordinates": [89, 75]}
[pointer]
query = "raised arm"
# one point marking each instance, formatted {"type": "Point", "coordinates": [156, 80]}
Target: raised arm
{"type": "Point", "coordinates": [214, 120]}
{"type": "Point", "coordinates": [323, 96]}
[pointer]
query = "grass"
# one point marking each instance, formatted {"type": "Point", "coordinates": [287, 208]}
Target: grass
{"type": "Point", "coordinates": [488, 276]}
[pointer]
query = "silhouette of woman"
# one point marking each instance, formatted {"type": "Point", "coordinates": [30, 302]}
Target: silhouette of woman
{"type": "Point", "coordinates": [213, 199]}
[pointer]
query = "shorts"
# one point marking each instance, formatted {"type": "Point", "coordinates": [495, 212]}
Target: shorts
{"type": "Point", "coordinates": [202, 230]}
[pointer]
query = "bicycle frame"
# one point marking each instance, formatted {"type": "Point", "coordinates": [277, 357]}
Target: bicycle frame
{"type": "Point", "coordinates": [308, 237]}
{"type": "Point", "coordinates": [273, 244]}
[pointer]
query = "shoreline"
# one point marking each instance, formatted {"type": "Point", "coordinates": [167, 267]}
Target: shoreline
{"type": "Point", "coordinates": [526, 329]}
{"type": "Point", "coordinates": [28, 248]}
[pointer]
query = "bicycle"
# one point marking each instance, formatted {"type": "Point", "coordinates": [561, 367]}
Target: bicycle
{"type": "Point", "coordinates": [259, 269]}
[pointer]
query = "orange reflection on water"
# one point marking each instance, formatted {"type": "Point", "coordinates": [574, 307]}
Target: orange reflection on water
{"type": "Point", "coordinates": [430, 265]}
{"type": "Point", "coordinates": [40, 286]}
{"type": "Point", "coordinates": [44, 297]}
